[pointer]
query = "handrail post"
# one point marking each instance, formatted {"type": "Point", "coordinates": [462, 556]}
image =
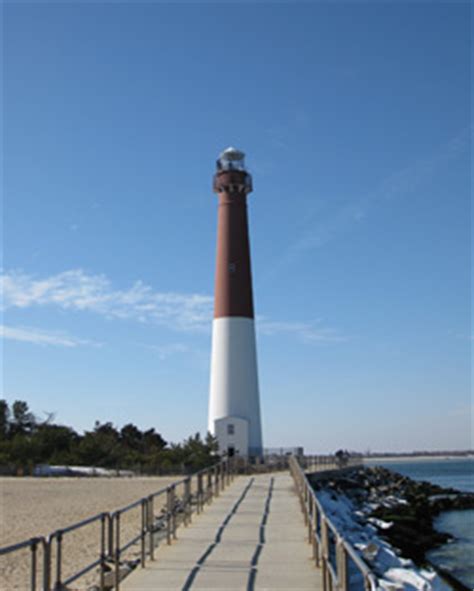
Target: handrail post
{"type": "Point", "coordinates": [168, 515]}
{"type": "Point", "coordinates": [117, 551]}
{"type": "Point", "coordinates": [301, 495]}
{"type": "Point", "coordinates": [151, 527]}
{"type": "Point", "coordinates": [306, 503]}
{"type": "Point", "coordinates": [110, 535]}
{"type": "Point", "coordinates": [143, 532]}
{"type": "Point", "coordinates": [325, 552]}
{"type": "Point", "coordinates": [202, 490]}
{"type": "Point", "coordinates": [316, 548]}
{"type": "Point", "coordinates": [342, 566]}
{"type": "Point", "coordinates": [216, 480]}
{"type": "Point", "coordinates": [209, 485]}
{"type": "Point", "coordinates": [173, 495]}
{"type": "Point", "coordinates": [59, 540]}
{"type": "Point", "coordinates": [46, 564]}
{"type": "Point", "coordinates": [102, 551]}
{"type": "Point", "coordinates": [187, 502]}
{"type": "Point", "coordinates": [199, 493]}
{"type": "Point", "coordinates": [310, 517]}
{"type": "Point", "coordinates": [34, 547]}
{"type": "Point", "coordinates": [190, 499]}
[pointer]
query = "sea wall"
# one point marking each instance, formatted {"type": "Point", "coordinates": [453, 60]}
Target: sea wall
{"type": "Point", "coordinates": [389, 519]}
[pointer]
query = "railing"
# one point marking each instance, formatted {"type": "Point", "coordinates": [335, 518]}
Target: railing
{"type": "Point", "coordinates": [149, 529]}
{"type": "Point", "coordinates": [342, 567]}
{"type": "Point", "coordinates": [314, 463]}
{"type": "Point", "coordinates": [33, 545]}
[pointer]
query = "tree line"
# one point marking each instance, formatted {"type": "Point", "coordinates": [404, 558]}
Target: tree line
{"type": "Point", "coordinates": [26, 441]}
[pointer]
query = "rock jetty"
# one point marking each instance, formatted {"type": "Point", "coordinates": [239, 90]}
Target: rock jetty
{"type": "Point", "coordinates": [401, 510]}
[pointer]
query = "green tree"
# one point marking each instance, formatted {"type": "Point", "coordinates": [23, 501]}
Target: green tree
{"type": "Point", "coordinates": [21, 450]}
{"type": "Point", "coordinates": [4, 419]}
{"type": "Point", "coordinates": [25, 441]}
{"type": "Point", "coordinates": [23, 420]}
{"type": "Point", "coordinates": [54, 444]}
{"type": "Point", "coordinates": [5, 453]}
{"type": "Point", "coordinates": [131, 437]}
{"type": "Point", "coordinates": [153, 442]}
{"type": "Point", "coordinates": [100, 447]}
{"type": "Point", "coordinates": [212, 444]}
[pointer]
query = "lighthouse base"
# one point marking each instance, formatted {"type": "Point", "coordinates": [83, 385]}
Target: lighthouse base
{"type": "Point", "coordinates": [234, 396]}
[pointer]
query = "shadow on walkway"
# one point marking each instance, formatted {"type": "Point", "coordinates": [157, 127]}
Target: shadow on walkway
{"type": "Point", "coordinates": [259, 548]}
{"type": "Point", "coordinates": [192, 575]}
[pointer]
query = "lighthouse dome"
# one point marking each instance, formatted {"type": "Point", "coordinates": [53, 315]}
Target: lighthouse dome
{"type": "Point", "coordinates": [231, 159]}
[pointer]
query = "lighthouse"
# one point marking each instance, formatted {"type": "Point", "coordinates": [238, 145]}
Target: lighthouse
{"type": "Point", "coordinates": [234, 405]}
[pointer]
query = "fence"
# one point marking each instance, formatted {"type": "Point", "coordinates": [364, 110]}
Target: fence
{"type": "Point", "coordinates": [181, 499]}
{"type": "Point", "coordinates": [315, 463]}
{"type": "Point", "coordinates": [342, 567]}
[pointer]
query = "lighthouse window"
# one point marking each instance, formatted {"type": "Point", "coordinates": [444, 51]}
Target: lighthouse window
{"type": "Point", "coordinates": [230, 429]}
{"type": "Point", "coordinates": [231, 267]}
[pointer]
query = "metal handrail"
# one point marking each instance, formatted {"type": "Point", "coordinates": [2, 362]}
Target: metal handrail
{"type": "Point", "coordinates": [335, 576]}
{"type": "Point", "coordinates": [57, 537]}
{"type": "Point", "coordinates": [33, 544]}
{"type": "Point", "coordinates": [19, 546]}
{"type": "Point", "coordinates": [112, 548]}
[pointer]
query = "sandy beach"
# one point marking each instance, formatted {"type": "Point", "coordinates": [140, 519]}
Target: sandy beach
{"type": "Point", "coordinates": [38, 506]}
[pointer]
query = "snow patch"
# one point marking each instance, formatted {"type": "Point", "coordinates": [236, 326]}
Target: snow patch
{"type": "Point", "coordinates": [393, 572]}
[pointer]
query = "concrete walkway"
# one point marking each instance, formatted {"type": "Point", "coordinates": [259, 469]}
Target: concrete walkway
{"type": "Point", "coordinates": [251, 538]}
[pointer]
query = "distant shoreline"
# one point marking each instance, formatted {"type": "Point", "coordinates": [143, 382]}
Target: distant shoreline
{"type": "Point", "coordinates": [427, 458]}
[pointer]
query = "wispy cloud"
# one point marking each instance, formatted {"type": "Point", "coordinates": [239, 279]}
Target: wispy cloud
{"type": "Point", "coordinates": [170, 349]}
{"type": "Point", "coordinates": [77, 290]}
{"type": "Point", "coordinates": [463, 336]}
{"type": "Point", "coordinates": [310, 333]}
{"type": "Point", "coordinates": [80, 291]}
{"type": "Point", "coordinates": [318, 230]}
{"type": "Point", "coordinates": [41, 337]}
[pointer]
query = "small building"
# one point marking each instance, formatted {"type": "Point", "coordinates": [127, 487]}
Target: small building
{"type": "Point", "coordinates": [232, 435]}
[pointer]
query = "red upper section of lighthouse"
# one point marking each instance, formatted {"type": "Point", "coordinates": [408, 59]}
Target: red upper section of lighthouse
{"type": "Point", "coordinates": [233, 289]}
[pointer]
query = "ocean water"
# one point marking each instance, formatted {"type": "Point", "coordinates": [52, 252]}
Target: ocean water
{"type": "Point", "coordinates": [456, 473]}
{"type": "Point", "coordinates": [456, 557]}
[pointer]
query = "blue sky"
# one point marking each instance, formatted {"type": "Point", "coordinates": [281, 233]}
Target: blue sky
{"type": "Point", "coordinates": [355, 118]}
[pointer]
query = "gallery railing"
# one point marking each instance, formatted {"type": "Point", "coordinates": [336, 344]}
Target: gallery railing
{"type": "Point", "coordinates": [342, 567]}
{"type": "Point", "coordinates": [180, 500]}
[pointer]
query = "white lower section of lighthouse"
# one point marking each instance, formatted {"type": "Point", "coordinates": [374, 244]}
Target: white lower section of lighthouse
{"type": "Point", "coordinates": [234, 407]}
